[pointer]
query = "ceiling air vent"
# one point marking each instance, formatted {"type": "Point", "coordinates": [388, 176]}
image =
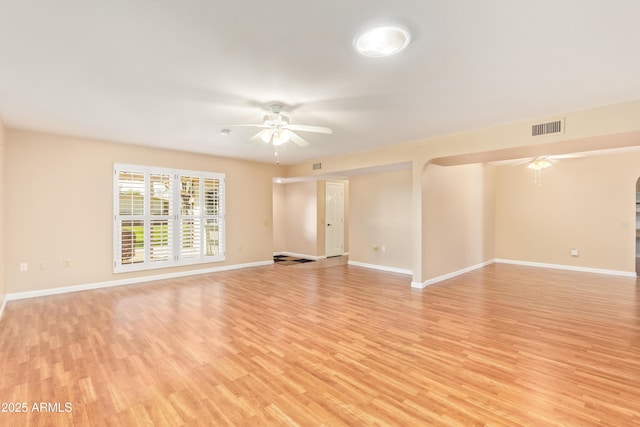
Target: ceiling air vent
{"type": "Point", "coordinates": [317, 166]}
{"type": "Point", "coordinates": [548, 128]}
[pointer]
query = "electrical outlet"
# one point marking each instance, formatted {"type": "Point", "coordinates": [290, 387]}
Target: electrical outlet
{"type": "Point", "coordinates": [574, 252]}
{"type": "Point", "coordinates": [24, 266]}
{"type": "Point", "coordinates": [66, 263]}
{"type": "Point", "coordinates": [375, 248]}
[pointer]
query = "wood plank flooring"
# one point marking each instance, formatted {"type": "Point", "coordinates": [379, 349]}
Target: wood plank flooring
{"type": "Point", "coordinates": [502, 346]}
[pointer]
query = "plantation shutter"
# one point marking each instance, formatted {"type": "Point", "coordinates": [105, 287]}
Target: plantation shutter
{"type": "Point", "coordinates": [130, 223]}
{"type": "Point", "coordinates": [166, 217]}
{"type": "Point", "coordinates": [160, 223]}
{"type": "Point", "coordinates": [190, 218]}
{"type": "Point", "coordinates": [213, 216]}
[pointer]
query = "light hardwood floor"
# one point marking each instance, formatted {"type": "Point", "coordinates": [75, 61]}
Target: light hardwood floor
{"type": "Point", "coordinates": [503, 346]}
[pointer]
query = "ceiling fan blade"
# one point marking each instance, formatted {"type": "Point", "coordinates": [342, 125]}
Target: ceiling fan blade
{"type": "Point", "coordinates": [244, 125]}
{"type": "Point", "coordinates": [296, 139]}
{"type": "Point", "coordinates": [305, 128]}
{"type": "Point", "coordinates": [522, 161]}
{"type": "Point", "coordinates": [258, 136]}
{"type": "Point", "coordinates": [510, 162]}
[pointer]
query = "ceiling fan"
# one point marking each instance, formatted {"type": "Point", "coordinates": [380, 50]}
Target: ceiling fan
{"type": "Point", "coordinates": [542, 162]}
{"type": "Point", "coordinates": [537, 164]}
{"type": "Point", "coordinates": [277, 130]}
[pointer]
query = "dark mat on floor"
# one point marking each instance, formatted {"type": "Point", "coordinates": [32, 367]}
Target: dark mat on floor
{"type": "Point", "coordinates": [289, 260]}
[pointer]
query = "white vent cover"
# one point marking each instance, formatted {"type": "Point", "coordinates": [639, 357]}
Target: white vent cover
{"type": "Point", "coordinates": [554, 127]}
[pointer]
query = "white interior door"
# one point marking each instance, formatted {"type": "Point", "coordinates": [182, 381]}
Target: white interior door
{"type": "Point", "coordinates": [334, 223]}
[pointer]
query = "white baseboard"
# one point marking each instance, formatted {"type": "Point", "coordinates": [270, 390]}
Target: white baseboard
{"type": "Point", "coordinates": [381, 267]}
{"type": "Point", "coordinates": [569, 267]}
{"type": "Point", "coordinates": [134, 280]}
{"type": "Point", "coordinates": [297, 255]}
{"type": "Point", "coordinates": [130, 281]}
{"type": "Point", "coordinates": [437, 279]}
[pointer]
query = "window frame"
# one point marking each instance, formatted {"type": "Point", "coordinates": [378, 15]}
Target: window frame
{"type": "Point", "coordinates": [209, 213]}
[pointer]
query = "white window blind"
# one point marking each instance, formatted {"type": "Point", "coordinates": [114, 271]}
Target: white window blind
{"type": "Point", "coordinates": [166, 217]}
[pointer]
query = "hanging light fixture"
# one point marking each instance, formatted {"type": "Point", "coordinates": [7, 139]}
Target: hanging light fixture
{"type": "Point", "coordinates": [266, 136]}
{"type": "Point", "coordinates": [280, 137]}
{"type": "Point", "coordinates": [537, 165]}
{"type": "Point", "coordinates": [276, 136]}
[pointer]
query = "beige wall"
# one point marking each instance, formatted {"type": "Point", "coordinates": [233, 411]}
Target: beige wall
{"type": "Point", "coordinates": [458, 221]}
{"type": "Point", "coordinates": [72, 178]}
{"type": "Point", "coordinates": [59, 205]}
{"type": "Point", "coordinates": [596, 128]}
{"type": "Point", "coordinates": [299, 217]}
{"type": "Point", "coordinates": [583, 203]}
{"type": "Point", "coordinates": [279, 218]}
{"type": "Point", "coordinates": [380, 214]}
{"type": "Point", "coordinates": [320, 217]}
{"type": "Point", "coordinates": [3, 282]}
{"type": "Point", "coordinates": [297, 220]}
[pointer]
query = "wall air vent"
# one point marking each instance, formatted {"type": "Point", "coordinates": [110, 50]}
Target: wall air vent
{"type": "Point", "coordinates": [317, 166]}
{"type": "Point", "coordinates": [556, 126]}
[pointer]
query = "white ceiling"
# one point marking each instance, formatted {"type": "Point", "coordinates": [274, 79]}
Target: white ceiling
{"type": "Point", "coordinates": [168, 73]}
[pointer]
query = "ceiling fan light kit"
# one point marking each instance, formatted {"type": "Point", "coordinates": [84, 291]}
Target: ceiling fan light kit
{"type": "Point", "coordinates": [276, 137]}
{"type": "Point", "coordinates": [539, 163]}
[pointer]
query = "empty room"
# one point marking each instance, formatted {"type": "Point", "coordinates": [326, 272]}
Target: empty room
{"type": "Point", "coordinates": [344, 213]}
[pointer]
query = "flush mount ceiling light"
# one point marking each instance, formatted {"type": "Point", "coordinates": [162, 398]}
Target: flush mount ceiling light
{"type": "Point", "coordinates": [382, 41]}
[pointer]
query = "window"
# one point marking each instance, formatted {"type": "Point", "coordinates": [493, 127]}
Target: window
{"type": "Point", "coordinates": [166, 217]}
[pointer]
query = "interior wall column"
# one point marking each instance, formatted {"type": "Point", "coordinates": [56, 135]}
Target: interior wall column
{"type": "Point", "coordinates": [417, 222]}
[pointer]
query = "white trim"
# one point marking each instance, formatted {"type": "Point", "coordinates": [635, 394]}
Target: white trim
{"type": "Point", "coordinates": [4, 303]}
{"type": "Point", "coordinates": [293, 254]}
{"type": "Point", "coordinates": [524, 263]}
{"type": "Point", "coordinates": [133, 280]}
{"type": "Point", "coordinates": [569, 267]}
{"type": "Point", "coordinates": [381, 267]}
{"type": "Point", "coordinates": [450, 275]}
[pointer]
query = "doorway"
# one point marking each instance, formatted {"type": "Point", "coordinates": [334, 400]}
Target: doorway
{"type": "Point", "coordinates": [334, 222]}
